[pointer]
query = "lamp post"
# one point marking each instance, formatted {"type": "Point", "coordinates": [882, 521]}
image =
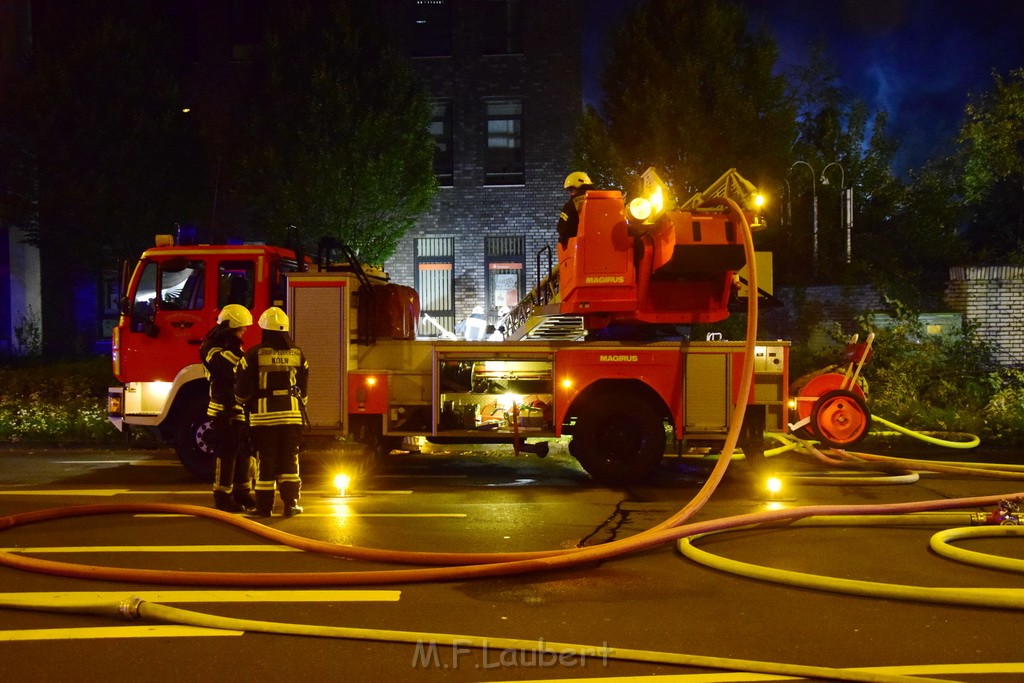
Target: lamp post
{"type": "Point", "coordinates": [814, 223]}
{"type": "Point", "coordinates": [845, 204]}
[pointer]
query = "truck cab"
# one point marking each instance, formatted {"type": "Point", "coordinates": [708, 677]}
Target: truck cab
{"type": "Point", "coordinates": [171, 300]}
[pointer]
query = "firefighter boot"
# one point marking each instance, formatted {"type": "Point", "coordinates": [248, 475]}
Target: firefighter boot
{"type": "Point", "coordinates": [290, 497]}
{"type": "Point", "coordinates": [222, 501]}
{"type": "Point", "coordinates": [264, 502]}
{"type": "Point", "coordinates": [241, 495]}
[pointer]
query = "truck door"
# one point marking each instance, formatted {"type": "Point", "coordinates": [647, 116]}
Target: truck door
{"type": "Point", "coordinates": [237, 283]}
{"type": "Point", "coordinates": [168, 317]}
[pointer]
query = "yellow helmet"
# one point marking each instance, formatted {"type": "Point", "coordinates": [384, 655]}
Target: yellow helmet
{"type": "Point", "coordinates": [237, 315]}
{"type": "Point", "coordinates": [274, 319]}
{"type": "Point", "coordinates": [577, 179]}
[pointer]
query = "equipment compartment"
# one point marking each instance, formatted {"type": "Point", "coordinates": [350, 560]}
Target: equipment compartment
{"type": "Point", "coordinates": [479, 393]}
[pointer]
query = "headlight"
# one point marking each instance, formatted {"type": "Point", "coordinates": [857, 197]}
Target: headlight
{"type": "Point", "coordinates": [640, 209]}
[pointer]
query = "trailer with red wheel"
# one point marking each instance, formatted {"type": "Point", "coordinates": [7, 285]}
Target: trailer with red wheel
{"type": "Point", "coordinates": [832, 406]}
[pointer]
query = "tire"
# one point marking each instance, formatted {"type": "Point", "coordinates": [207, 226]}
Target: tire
{"type": "Point", "coordinates": [751, 438]}
{"type": "Point", "coordinates": [840, 418]}
{"type": "Point", "coordinates": [193, 440]}
{"type": "Point", "coordinates": [619, 438]}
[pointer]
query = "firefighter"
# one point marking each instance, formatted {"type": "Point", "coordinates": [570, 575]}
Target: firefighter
{"type": "Point", "coordinates": [220, 352]}
{"type": "Point", "coordinates": [576, 184]}
{"type": "Point", "coordinates": [270, 382]}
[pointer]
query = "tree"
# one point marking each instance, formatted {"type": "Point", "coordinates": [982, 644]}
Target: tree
{"type": "Point", "coordinates": [690, 91]}
{"type": "Point", "coordinates": [991, 143]}
{"type": "Point", "coordinates": [338, 134]}
{"type": "Point", "coordinates": [833, 127]}
{"type": "Point", "coordinates": [106, 156]}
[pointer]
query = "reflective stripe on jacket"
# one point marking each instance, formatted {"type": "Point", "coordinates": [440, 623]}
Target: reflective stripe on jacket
{"type": "Point", "coordinates": [270, 382]}
{"type": "Point", "coordinates": [220, 353]}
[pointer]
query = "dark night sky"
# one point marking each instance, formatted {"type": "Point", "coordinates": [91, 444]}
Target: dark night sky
{"type": "Point", "coordinates": [916, 59]}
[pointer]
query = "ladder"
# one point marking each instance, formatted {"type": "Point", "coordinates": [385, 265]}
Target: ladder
{"type": "Point", "coordinates": [538, 315]}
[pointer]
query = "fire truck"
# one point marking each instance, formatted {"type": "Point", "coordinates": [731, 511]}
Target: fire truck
{"type": "Point", "coordinates": [593, 352]}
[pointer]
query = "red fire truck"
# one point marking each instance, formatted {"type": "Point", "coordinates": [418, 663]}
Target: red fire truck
{"type": "Point", "coordinates": [579, 356]}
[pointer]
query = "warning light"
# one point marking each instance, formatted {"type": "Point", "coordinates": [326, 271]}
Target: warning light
{"type": "Point", "coordinates": [341, 482]}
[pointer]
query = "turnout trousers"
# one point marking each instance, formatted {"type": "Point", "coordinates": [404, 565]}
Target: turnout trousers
{"type": "Point", "coordinates": [277, 449]}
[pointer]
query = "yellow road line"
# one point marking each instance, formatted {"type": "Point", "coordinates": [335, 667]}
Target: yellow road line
{"type": "Point", "coordinates": [136, 463]}
{"type": "Point", "coordinates": [87, 597]}
{"type": "Point", "coordinates": [338, 515]}
{"type": "Point", "coordinates": [981, 668]}
{"type": "Point", "coordinates": [182, 492]}
{"type": "Point", "coordinates": [113, 632]}
{"type": "Point", "coordinates": [63, 492]}
{"type": "Point", "coordinates": [155, 549]}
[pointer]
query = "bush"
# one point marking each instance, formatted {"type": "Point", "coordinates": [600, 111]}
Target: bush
{"type": "Point", "coordinates": [56, 403]}
{"type": "Point", "coordinates": [942, 384]}
{"type": "Point", "coordinates": [1004, 412]}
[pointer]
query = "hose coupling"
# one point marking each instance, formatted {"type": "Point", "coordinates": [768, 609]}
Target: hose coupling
{"type": "Point", "coordinates": [1008, 513]}
{"type": "Point", "coordinates": [129, 608]}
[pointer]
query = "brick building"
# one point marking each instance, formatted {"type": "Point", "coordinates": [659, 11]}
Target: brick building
{"type": "Point", "coordinates": [993, 298]}
{"type": "Point", "coordinates": [505, 79]}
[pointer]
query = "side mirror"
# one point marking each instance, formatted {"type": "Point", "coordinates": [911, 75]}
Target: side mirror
{"type": "Point", "coordinates": [124, 305]}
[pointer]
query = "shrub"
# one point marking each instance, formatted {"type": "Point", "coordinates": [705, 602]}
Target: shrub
{"type": "Point", "coordinates": [63, 402]}
{"type": "Point", "coordinates": [1004, 412]}
{"type": "Point", "coordinates": [946, 384]}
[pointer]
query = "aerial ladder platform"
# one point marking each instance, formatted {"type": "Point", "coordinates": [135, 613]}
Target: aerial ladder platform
{"type": "Point", "coordinates": [651, 262]}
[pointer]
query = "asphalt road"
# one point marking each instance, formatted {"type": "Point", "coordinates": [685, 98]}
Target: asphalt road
{"type": "Point", "coordinates": [654, 600]}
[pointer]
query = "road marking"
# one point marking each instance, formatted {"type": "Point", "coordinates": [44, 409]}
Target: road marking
{"type": "Point", "coordinates": [136, 463]}
{"type": "Point", "coordinates": [183, 492]}
{"type": "Point", "coordinates": [419, 475]}
{"type": "Point", "coordinates": [88, 598]}
{"type": "Point", "coordinates": [337, 515]}
{"type": "Point", "coordinates": [155, 549]}
{"type": "Point", "coordinates": [741, 677]}
{"type": "Point", "coordinates": [63, 492]}
{"type": "Point", "coordinates": [114, 632]}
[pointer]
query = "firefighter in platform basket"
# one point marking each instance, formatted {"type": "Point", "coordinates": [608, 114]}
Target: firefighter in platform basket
{"type": "Point", "coordinates": [576, 184]}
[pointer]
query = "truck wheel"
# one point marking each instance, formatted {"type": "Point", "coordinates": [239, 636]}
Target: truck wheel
{"type": "Point", "coordinates": [840, 418]}
{"type": "Point", "coordinates": [619, 438]}
{"type": "Point", "coordinates": [751, 438]}
{"type": "Point", "coordinates": [193, 440]}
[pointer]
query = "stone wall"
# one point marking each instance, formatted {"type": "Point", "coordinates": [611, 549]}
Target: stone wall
{"type": "Point", "coordinates": [993, 298]}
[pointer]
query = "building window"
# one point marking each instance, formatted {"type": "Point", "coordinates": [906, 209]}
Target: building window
{"type": "Point", "coordinates": [505, 262]}
{"type": "Point", "coordinates": [431, 28]}
{"type": "Point", "coordinates": [434, 261]}
{"type": "Point", "coordinates": [503, 160]}
{"type": "Point", "coordinates": [441, 131]}
{"type": "Point", "coordinates": [502, 32]}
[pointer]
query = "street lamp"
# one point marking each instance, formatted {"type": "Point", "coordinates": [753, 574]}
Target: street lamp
{"type": "Point", "coordinates": [845, 203]}
{"type": "Point", "coordinates": [814, 224]}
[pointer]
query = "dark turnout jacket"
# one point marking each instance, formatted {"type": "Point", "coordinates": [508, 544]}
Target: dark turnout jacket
{"type": "Point", "coordinates": [220, 353]}
{"type": "Point", "coordinates": [271, 380]}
